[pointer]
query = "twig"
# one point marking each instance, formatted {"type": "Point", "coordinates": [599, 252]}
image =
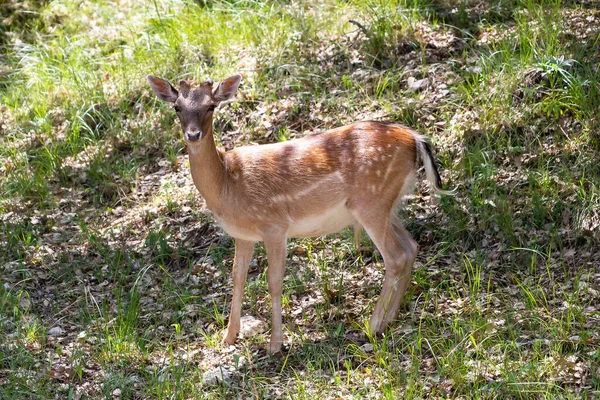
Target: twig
{"type": "Point", "coordinates": [360, 26]}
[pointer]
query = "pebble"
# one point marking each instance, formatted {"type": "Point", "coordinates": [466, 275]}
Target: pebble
{"type": "Point", "coordinates": [57, 330]}
{"type": "Point", "coordinates": [417, 85]}
{"type": "Point", "coordinates": [215, 376]}
{"type": "Point", "coordinates": [251, 326]}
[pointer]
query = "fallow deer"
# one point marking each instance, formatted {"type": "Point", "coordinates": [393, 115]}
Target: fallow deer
{"type": "Point", "coordinates": [313, 186]}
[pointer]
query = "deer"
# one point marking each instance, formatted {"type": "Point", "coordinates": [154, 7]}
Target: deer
{"type": "Point", "coordinates": [355, 175]}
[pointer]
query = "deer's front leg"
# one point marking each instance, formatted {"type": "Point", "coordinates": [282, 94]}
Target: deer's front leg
{"type": "Point", "coordinates": [276, 252]}
{"type": "Point", "coordinates": [243, 254]}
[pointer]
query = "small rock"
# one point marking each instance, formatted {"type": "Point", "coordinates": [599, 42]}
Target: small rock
{"type": "Point", "coordinates": [57, 330]}
{"type": "Point", "coordinates": [215, 376]}
{"type": "Point", "coordinates": [25, 303]}
{"type": "Point", "coordinates": [300, 250]}
{"type": "Point", "coordinates": [251, 326]}
{"type": "Point", "coordinates": [253, 265]}
{"type": "Point", "coordinates": [367, 347]}
{"type": "Point", "coordinates": [417, 85]}
{"type": "Point", "coordinates": [116, 393]}
{"type": "Point", "coordinates": [239, 362]}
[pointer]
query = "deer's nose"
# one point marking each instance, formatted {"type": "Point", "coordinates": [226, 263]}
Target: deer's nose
{"type": "Point", "coordinates": [193, 135]}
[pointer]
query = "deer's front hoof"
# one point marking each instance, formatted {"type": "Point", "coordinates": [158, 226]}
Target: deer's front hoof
{"type": "Point", "coordinates": [230, 336]}
{"type": "Point", "coordinates": [274, 346]}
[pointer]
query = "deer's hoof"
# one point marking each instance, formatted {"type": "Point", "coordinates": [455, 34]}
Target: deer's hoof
{"type": "Point", "coordinates": [274, 347]}
{"type": "Point", "coordinates": [230, 337]}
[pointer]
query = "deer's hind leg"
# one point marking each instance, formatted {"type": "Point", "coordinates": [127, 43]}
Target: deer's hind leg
{"type": "Point", "coordinates": [410, 247]}
{"type": "Point", "coordinates": [399, 252]}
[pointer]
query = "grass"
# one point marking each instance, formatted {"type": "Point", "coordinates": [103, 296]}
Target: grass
{"type": "Point", "coordinates": [115, 279]}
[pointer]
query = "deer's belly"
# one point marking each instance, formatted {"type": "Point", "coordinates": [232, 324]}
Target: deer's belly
{"type": "Point", "coordinates": [330, 220]}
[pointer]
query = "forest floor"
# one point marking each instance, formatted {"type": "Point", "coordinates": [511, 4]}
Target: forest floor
{"type": "Point", "coordinates": [115, 279]}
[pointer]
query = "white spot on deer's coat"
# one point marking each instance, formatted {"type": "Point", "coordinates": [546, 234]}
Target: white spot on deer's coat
{"type": "Point", "coordinates": [389, 169]}
{"type": "Point", "coordinates": [278, 198]}
{"type": "Point", "coordinates": [378, 172]}
{"type": "Point", "coordinates": [317, 185]}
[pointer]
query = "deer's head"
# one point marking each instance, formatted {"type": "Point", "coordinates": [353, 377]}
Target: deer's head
{"type": "Point", "coordinates": [195, 104]}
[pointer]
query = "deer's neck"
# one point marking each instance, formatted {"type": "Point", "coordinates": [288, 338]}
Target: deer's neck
{"type": "Point", "coordinates": [208, 171]}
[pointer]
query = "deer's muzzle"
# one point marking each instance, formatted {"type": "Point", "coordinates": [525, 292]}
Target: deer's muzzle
{"type": "Point", "coordinates": [192, 136]}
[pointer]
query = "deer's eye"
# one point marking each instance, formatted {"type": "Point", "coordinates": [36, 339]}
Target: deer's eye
{"type": "Point", "coordinates": [212, 107]}
{"type": "Point", "coordinates": [177, 109]}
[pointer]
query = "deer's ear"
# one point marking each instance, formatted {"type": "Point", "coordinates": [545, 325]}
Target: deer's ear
{"type": "Point", "coordinates": [163, 89]}
{"type": "Point", "coordinates": [226, 89]}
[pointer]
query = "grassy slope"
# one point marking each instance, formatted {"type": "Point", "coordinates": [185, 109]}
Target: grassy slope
{"type": "Point", "coordinates": [114, 278]}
